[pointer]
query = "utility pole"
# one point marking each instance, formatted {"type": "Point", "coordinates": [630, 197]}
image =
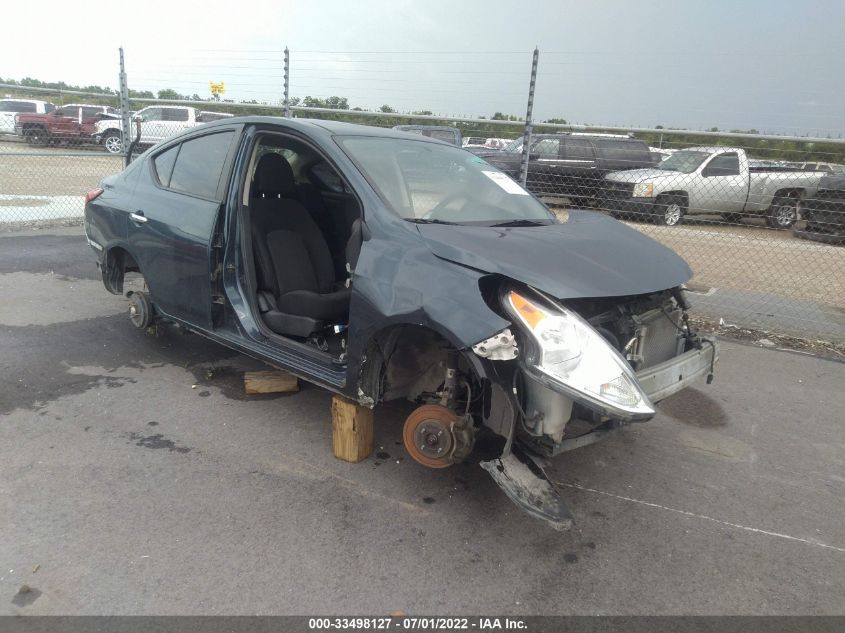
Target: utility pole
{"type": "Point", "coordinates": [124, 106]}
{"type": "Point", "coordinates": [287, 83]}
{"type": "Point", "coordinates": [526, 137]}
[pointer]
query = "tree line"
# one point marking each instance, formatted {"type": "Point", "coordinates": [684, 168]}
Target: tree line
{"type": "Point", "coordinates": [758, 148]}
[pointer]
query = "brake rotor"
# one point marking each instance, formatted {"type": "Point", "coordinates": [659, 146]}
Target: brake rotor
{"type": "Point", "coordinates": [140, 310]}
{"type": "Point", "coordinates": [428, 435]}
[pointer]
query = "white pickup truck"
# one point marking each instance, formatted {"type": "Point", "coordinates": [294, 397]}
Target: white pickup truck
{"type": "Point", "coordinates": [157, 124]}
{"type": "Point", "coordinates": [709, 180]}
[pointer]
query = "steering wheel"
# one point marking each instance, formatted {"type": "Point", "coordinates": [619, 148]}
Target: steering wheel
{"type": "Point", "coordinates": [459, 195]}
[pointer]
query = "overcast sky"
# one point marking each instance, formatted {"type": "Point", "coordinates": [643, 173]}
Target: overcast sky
{"type": "Point", "coordinates": [771, 65]}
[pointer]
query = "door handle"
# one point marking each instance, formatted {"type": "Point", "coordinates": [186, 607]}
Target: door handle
{"type": "Point", "coordinates": [138, 217]}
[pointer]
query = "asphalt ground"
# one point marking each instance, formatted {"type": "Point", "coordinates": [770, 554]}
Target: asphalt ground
{"type": "Point", "coordinates": [136, 478]}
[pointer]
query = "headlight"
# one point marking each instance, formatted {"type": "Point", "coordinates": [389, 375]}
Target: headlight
{"type": "Point", "coordinates": [579, 360]}
{"type": "Point", "coordinates": [643, 190]}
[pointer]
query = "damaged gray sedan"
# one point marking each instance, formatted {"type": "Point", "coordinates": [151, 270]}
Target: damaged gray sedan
{"type": "Point", "coordinates": [383, 265]}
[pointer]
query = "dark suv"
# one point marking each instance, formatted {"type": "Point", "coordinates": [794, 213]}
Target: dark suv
{"type": "Point", "coordinates": [572, 165]}
{"type": "Point", "coordinates": [825, 212]}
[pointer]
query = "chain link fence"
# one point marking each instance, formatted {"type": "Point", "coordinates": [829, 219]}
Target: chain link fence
{"type": "Point", "coordinates": [759, 218]}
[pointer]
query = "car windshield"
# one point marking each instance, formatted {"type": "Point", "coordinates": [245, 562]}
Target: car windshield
{"type": "Point", "coordinates": [685, 161]}
{"type": "Point", "coordinates": [432, 182]}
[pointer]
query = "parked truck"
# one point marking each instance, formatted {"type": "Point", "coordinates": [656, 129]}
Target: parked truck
{"type": "Point", "coordinates": [709, 180]}
{"type": "Point", "coordinates": [71, 123]}
{"type": "Point", "coordinates": [157, 124]}
{"type": "Point", "coordinates": [825, 211]}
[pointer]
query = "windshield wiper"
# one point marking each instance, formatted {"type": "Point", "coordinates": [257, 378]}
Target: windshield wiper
{"type": "Point", "coordinates": [521, 222]}
{"type": "Point", "coordinates": [428, 221]}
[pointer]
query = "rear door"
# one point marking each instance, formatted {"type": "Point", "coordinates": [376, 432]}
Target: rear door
{"type": "Point", "coordinates": [64, 123]}
{"type": "Point", "coordinates": [177, 206]}
{"type": "Point", "coordinates": [90, 116]}
{"type": "Point", "coordinates": [579, 160]}
{"type": "Point", "coordinates": [546, 170]}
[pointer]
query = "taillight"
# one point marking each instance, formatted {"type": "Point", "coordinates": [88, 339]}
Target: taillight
{"type": "Point", "coordinates": [93, 195]}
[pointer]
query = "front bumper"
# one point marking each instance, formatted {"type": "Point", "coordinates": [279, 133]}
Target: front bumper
{"type": "Point", "coordinates": [627, 206]}
{"type": "Point", "coordinates": [658, 382]}
{"type": "Point", "coordinates": [671, 376]}
{"type": "Point", "coordinates": [521, 474]}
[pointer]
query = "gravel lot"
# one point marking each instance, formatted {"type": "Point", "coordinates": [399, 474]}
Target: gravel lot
{"type": "Point", "coordinates": [135, 478]}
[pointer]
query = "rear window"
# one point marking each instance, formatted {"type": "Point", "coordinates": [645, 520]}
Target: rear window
{"type": "Point", "coordinates": [199, 164]}
{"type": "Point", "coordinates": [547, 147]}
{"type": "Point", "coordinates": [623, 151]}
{"type": "Point", "coordinates": [174, 114]}
{"type": "Point", "coordinates": [163, 165]}
{"type": "Point", "coordinates": [442, 135]}
{"type": "Point", "coordinates": [578, 149]}
{"type": "Point", "coordinates": [17, 106]}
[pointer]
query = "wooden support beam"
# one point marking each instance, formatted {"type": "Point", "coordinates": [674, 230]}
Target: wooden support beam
{"type": "Point", "coordinates": [352, 430]}
{"type": "Point", "coordinates": [273, 381]}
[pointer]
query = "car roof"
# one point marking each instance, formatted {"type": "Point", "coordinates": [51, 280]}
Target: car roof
{"type": "Point", "coordinates": [712, 148]}
{"type": "Point", "coordinates": [424, 127]}
{"type": "Point", "coordinates": [84, 105]}
{"type": "Point", "coordinates": [166, 105]}
{"type": "Point", "coordinates": [320, 126]}
{"type": "Point", "coordinates": [25, 100]}
{"type": "Point", "coordinates": [592, 137]}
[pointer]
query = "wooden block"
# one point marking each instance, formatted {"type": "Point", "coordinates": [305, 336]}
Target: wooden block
{"type": "Point", "coordinates": [273, 381]}
{"type": "Point", "coordinates": [352, 430]}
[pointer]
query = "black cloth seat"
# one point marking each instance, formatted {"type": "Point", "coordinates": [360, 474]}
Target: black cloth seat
{"type": "Point", "coordinates": [294, 267]}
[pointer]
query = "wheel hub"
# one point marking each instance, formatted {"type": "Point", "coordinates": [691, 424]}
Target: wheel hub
{"type": "Point", "coordinates": [430, 436]}
{"type": "Point", "coordinates": [784, 215]}
{"type": "Point", "coordinates": [673, 214]}
{"type": "Point", "coordinates": [432, 439]}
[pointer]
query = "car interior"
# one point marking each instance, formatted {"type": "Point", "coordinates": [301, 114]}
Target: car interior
{"type": "Point", "coordinates": [305, 227]}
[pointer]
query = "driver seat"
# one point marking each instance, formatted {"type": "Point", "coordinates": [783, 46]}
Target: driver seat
{"type": "Point", "coordinates": [298, 294]}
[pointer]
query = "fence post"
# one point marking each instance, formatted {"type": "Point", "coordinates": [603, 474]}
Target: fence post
{"type": "Point", "coordinates": [526, 139]}
{"type": "Point", "coordinates": [287, 83]}
{"type": "Point", "coordinates": [124, 107]}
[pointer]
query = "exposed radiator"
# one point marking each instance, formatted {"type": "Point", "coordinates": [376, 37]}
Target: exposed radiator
{"type": "Point", "coordinates": [660, 338]}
